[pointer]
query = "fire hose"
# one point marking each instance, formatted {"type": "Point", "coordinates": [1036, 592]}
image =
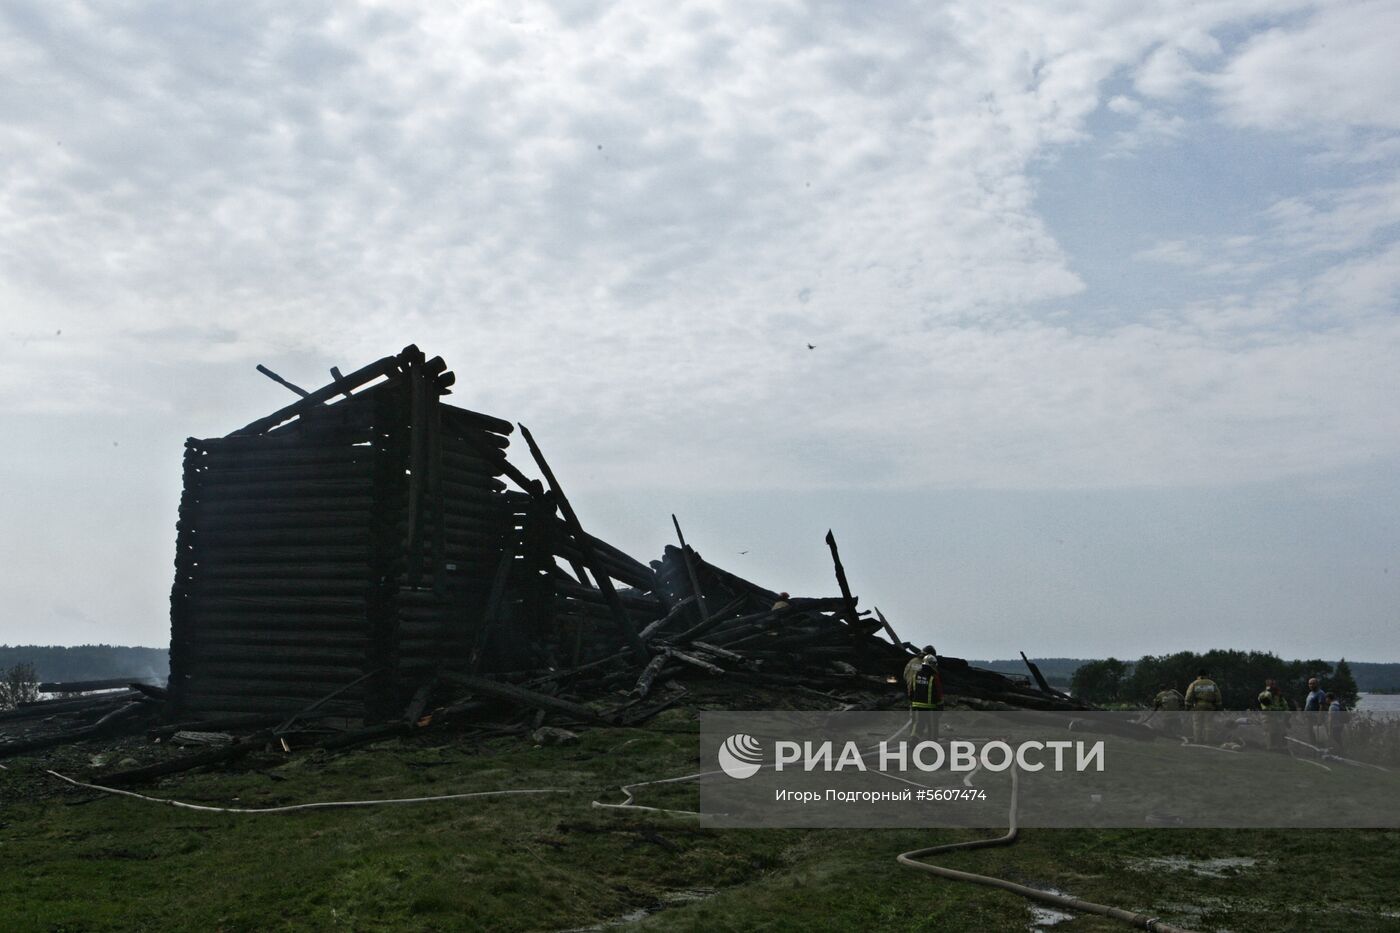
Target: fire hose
{"type": "Point", "coordinates": [912, 860]}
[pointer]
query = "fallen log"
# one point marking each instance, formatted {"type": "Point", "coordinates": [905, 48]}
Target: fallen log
{"type": "Point", "coordinates": [102, 727]}
{"type": "Point", "coordinates": [660, 623]}
{"type": "Point", "coordinates": [648, 677]}
{"type": "Point", "coordinates": [221, 724]}
{"type": "Point", "coordinates": [83, 686]}
{"type": "Point", "coordinates": [694, 661]}
{"type": "Point", "coordinates": [212, 756]}
{"type": "Point", "coordinates": [719, 652]}
{"type": "Point", "coordinates": [714, 621]}
{"type": "Point", "coordinates": [43, 708]}
{"type": "Point", "coordinates": [503, 691]}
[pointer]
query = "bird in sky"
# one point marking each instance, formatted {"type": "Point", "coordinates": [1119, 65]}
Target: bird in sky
{"type": "Point", "coordinates": [811, 346]}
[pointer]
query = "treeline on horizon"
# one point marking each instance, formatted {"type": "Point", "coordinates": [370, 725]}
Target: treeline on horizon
{"type": "Point", "coordinates": [1240, 675]}
{"type": "Point", "coordinates": [1371, 676]}
{"type": "Point", "coordinates": [60, 663]}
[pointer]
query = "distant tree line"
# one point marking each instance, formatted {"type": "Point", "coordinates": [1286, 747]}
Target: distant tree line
{"type": "Point", "coordinates": [88, 662]}
{"type": "Point", "coordinates": [1239, 674]}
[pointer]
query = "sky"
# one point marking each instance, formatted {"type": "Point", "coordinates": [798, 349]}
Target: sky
{"type": "Point", "coordinates": [1102, 296]}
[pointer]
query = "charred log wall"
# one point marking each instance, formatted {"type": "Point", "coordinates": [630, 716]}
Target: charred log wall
{"type": "Point", "coordinates": [275, 564]}
{"type": "Point", "coordinates": [361, 538]}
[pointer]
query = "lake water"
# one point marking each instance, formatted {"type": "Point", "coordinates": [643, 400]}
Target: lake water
{"type": "Point", "coordinates": [1378, 701]}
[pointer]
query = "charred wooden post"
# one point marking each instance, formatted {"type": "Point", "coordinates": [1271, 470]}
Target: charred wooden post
{"type": "Point", "coordinates": [690, 571]}
{"type": "Point", "coordinates": [852, 616]}
{"type": "Point", "coordinates": [590, 557]}
{"type": "Point", "coordinates": [356, 379]}
{"type": "Point", "coordinates": [282, 382]}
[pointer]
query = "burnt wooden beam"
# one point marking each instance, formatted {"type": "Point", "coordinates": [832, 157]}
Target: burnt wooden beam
{"type": "Point", "coordinates": [590, 557]}
{"type": "Point", "coordinates": [1040, 678]}
{"type": "Point", "coordinates": [497, 690]}
{"type": "Point", "coordinates": [713, 621]}
{"type": "Point", "coordinates": [649, 674]}
{"type": "Point", "coordinates": [41, 708]}
{"type": "Point", "coordinates": [282, 382]}
{"type": "Point", "coordinates": [109, 722]}
{"type": "Point", "coordinates": [435, 489]}
{"type": "Point", "coordinates": [213, 756]}
{"type": "Point", "coordinates": [690, 572]}
{"type": "Point", "coordinates": [894, 637]}
{"type": "Point", "coordinates": [492, 611]}
{"type": "Point", "coordinates": [356, 379]}
{"type": "Point", "coordinates": [417, 459]}
{"type": "Point", "coordinates": [852, 616]}
{"type": "Point", "coordinates": [312, 707]}
{"type": "Point", "coordinates": [338, 377]}
{"type": "Point", "coordinates": [82, 686]}
{"type": "Point", "coordinates": [661, 622]}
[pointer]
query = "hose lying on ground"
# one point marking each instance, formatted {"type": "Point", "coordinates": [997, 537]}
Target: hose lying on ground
{"type": "Point", "coordinates": [324, 805]}
{"type": "Point", "coordinates": [911, 860]}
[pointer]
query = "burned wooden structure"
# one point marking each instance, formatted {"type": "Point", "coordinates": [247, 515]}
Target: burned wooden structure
{"type": "Point", "coordinates": [366, 537]}
{"type": "Point", "coordinates": [369, 545]}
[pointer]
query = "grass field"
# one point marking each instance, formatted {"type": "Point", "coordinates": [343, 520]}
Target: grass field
{"type": "Point", "coordinates": [72, 860]}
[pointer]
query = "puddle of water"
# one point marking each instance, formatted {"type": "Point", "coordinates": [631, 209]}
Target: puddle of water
{"type": "Point", "coordinates": [1204, 867]}
{"type": "Point", "coordinates": [1043, 916]}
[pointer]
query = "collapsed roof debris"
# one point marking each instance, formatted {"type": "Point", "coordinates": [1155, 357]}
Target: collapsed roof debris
{"type": "Point", "coordinates": [367, 560]}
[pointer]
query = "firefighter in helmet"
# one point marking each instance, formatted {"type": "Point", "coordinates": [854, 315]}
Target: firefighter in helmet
{"type": "Point", "coordinates": [925, 690]}
{"type": "Point", "coordinates": [1202, 699]}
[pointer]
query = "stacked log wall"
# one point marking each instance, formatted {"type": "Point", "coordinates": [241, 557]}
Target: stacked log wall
{"type": "Point", "coordinates": [274, 563]}
{"type": "Point", "coordinates": [453, 547]}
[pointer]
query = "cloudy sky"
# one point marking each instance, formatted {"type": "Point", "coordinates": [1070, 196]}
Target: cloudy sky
{"type": "Point", "coordinates": [1103, 295]}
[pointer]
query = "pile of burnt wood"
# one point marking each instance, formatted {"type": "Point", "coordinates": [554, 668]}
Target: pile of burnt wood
{"type": "Point", "coordinates": [711, 623]}
{"type": "Point", "coordinates": [708, 627]}
{"type": "Point", "coordinates": [77, 711]}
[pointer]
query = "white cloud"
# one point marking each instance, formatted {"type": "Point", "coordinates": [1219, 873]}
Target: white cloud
{"type": "Point", "coordinates": [605, 216]}
{"type": "Point", "coordinates": [1172, 69]}
{"type": "Point", "coordinates": [1335, 70]}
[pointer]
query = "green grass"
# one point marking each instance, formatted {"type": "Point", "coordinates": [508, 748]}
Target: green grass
{"type": "Point", "coordinates": [71, 862]}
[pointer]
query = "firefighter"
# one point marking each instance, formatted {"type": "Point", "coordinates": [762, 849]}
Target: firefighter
{"type": "Point", "coordinates": [1202, 698]}
{"type": "Point", "coordinates": [1168, 699]}
{"type": "Point", "coordinates": [1272, 703]}
{"type": "Point", "coordinates": [1169, 704]}
{"type": "Point", "coordinates": [925, 693]}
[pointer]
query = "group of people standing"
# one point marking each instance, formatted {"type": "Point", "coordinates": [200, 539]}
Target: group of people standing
{"type": "Point", "coordinates": [1203, 696]}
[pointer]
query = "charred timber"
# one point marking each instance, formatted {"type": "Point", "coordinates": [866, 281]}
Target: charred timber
{"type": "Point", "coordinates": [324, 394]}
